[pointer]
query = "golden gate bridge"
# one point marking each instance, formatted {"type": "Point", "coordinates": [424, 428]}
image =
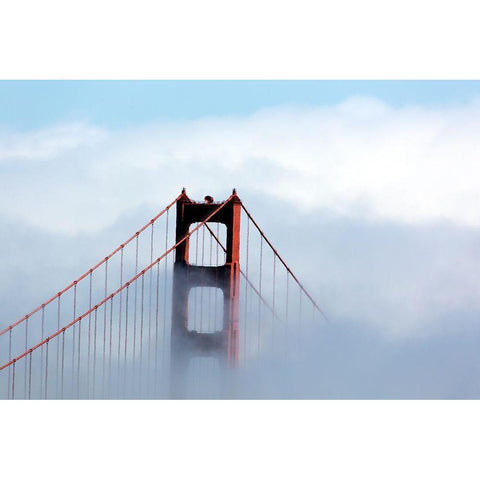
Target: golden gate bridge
{"type": "Point", "coordinates": [175, 311]}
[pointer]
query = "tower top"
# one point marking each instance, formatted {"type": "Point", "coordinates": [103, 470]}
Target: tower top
{"type": "Point", "coordinates": [184, 193]}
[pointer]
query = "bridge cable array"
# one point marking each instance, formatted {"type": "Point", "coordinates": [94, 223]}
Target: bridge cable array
{"type": "Point", "coordinates": [141, 301]}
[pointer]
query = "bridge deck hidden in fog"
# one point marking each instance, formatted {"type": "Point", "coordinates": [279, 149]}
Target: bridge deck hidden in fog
{"type": "Point", "coordinates": [184, 314]}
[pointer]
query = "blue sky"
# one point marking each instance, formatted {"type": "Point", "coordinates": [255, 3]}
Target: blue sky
{"type": "Point", "coordinates": [382, 175]}
{"type": "Point", "coordinates": [32, 104]}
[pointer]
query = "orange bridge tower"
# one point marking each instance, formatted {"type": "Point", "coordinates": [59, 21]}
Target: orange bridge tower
{"type": "Point", "coordinates": [186, 343]}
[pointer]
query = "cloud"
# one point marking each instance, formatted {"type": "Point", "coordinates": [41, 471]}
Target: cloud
{"type": "Point", "coordinates": [47, 143]}
{"type": "Point", "coordinates": [360, 158]}
{"type": "Point", "coordinates": [384, 200]}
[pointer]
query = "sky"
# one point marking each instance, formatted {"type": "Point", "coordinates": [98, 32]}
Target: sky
{"type": "Point", "coordinates": [30, 104]}
{"type": "Point", "coordinates": [369, 189]}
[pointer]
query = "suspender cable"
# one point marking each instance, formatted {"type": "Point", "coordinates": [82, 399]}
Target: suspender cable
{"type": "Point", "coordinates": [218, 241]}
{"type": "Point", "coordinates": [25, 369]}
{"type": "Point", "coordinates": [89, 332]}
{"type": "Point", "coordinates": [104, 328]}
{"type": "Point", "coordinates": [201, 279]}
{"type": "Point", "coordinates": [41, 351]}
{"type": "Point", "coordinates": [9, 357]}
{"type": "Point", "coordinates": [135, 301]}
{"type": "Point", "coordinates": [211, 329]}
{"type": "Point", "coordinates": [126, 343]}
{"type": "Point", "coordinates": [63, 363]}
{"type": "Point", "coordinates": [165, 298]}
{"type": "Point", "coordinates": [216, 285]}
{"type": "Point", "coordinates": [273, 298]}
{"type": "Point", "coordinates": [260, 296]}
{"type": "Point", "coordinates": [196, 248]}
{"type": "Point", "coordinates": [120, 318]}
{"type": "Point", "coordinates": [110, 344]}
{"type": "Point", "coordinates": [78, 355]}
{"type": "Point", "coordinates": [286, 312]}
{"type": "Point", "coordinates": [246, 294]}
{"type": "Point", "coordinates": [30, 376]}
{"type": "Point", "coordinates": [13, 381]}
{"type": "Point", "coordinates": [141, 332]}
{"type": "Point", "coordinates": [59, 296]}
{"type": "Point", "coordinates": [150, 304]}
{"type": "Point", "coordinates": [46, 369]}
{"type": "Point", "coordinates": [155, 371]}
{"type": "Point", "coordinates": [94, 349]}
{"type": "Point", "coordinates": [74, 331]}
{"type": "Point", "coordinates": [300, 315]}
{"type": "Point", "coordinates": [195, 290]}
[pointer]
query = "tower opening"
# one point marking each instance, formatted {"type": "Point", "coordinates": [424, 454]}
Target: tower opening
{"type": "Point", "coordinates": [204, 250]}
{"type": "Point", "coordinates": [205, 310]}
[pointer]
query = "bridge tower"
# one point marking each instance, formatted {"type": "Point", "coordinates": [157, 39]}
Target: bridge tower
{"type": "Point", "coordinates": [185, 343]}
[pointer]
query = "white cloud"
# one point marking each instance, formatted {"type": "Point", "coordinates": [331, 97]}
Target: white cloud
{"type": "Point", "coordinates": [47, 143]}
{"type": "Point", "coordinates": [360, 158]}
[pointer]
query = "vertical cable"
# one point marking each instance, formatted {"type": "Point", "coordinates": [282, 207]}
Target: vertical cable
{"type": "Point", "coordinates": [78, 356]}
{"type": "Point", "coordinates": [202, 291]}
{"type": "Point", "coordinates": [9, 357]}
{"type": "Point", "coordinates": [94, 350]}
{"type": "Point", "coordinates": [120, 318]}
{"type": "Point", "coordinates": [25, 349]}
{"type": "Point", "coordinates": [300, 317]}
{"type": "Point", "coordinates": [74, 333]}
{"type": "Point", "coordinates": [46, 370]}
{"type": "Point", "coordinates": [286, 313]}
{"type": "Point", "coordinates": [246, 294]}
{"type": "Point", "coordinates": [110, 346]}
{"type": "Point", "coordinates": [216, 327]}
{"type": "Point", "coordinates": [13, 380]}
{"type": "Point", "coordinates": [63, 363]}
{"type": "Point", "coordinates": [141, 333]}
{"type": "Point", "coordinates": [155, 378]}
{"type": "Point", "coordinates": [216, 282]}
{"type": "Point", "coordinates": [210, 329]}
{"type": "Point", "coordinates": [30, 376]}
{"type": "Point", "coordinates": [89, 331]}
{"type": "Point", "coordinates": [59, 295]}
{"type": "Point", "coordinates": [165, 298]}
{"type": "Point", "coordinates": [273, 297]}
{"type": "Point", "coordinates": [135, 300]}
{"type": "Point", "coordinates": [41, 350]}
{"type": "Point", "coordinates": [260, 296]}
{"type": "Point", "coordinates": [193, 324]}
{"type": "Point", "coordinates": [150, 306]}
{"type": "Point", "coordinates": [196, 247]}
{"type": "Point", "coordinates": [104, 326]}
{"type": "Point", "coordinates": [126, 344]}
